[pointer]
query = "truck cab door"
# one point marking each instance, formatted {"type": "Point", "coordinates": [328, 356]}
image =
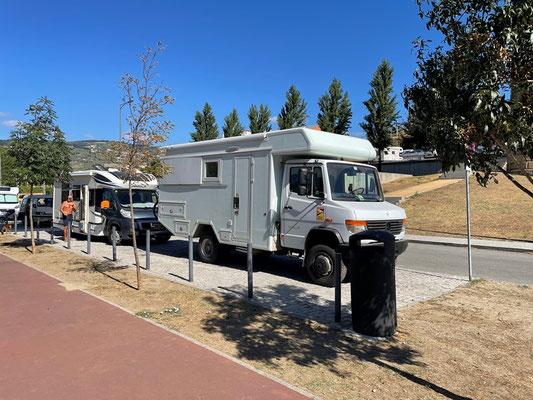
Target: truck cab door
{"type": "Point", "coordinates": [301, 212]}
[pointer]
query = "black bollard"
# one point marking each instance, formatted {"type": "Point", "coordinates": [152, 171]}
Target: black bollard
{"type": "Point", "coordinates": [191, 271]}
{"type": "Point", "coordinates": [69, 233]}
{"type": "Point", "coordinates": [148, 249]}
{"type": "Point", "coordinates": [250, 271]}
{"type": "Point", "coordinates": [88, 238]}
{"type": "Point", "coordinates": [114, 241]}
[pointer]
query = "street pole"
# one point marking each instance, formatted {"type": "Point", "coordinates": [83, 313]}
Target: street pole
{"type": "Point", "coordinates": [148, 249]}
{"type": "Point", "coordinates": [467, 175]}
{"type": "Point", "coordinates": [191, 270]}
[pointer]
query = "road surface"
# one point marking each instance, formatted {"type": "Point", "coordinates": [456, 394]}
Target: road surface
{"type": "Point", "coordinates": [506, 266]}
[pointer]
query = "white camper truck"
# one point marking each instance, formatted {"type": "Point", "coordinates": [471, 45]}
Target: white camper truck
{"type": "Point", "coordinates": [297, 191]}
{"type": "Point", "coordinates": [102, 199]}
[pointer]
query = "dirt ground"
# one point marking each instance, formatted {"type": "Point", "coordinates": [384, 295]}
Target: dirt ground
{"type": "Point", "coordinates": [499, 211]}
{"type": "Point", "coordinates": [476, 342]}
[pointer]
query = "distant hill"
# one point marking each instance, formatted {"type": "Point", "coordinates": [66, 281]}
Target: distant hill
{"type": "Point", "coordinates": [85, 153]}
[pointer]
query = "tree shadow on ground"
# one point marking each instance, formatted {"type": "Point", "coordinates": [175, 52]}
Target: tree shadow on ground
{"type": "Point", "coordinates": [23, 243]}
{"type": "Point", "coordinates": [263, 336]}
{"type": "Point", "coordinates": [105, 268]}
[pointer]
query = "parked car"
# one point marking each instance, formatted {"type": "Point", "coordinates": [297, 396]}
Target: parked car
{"type": "Point", "coordinates": [8, 200]}
{"type": "Point", "coordinates": [42, 208]}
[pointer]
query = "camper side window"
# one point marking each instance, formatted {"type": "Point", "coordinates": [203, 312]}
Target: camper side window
{"type": "Point", "coordinates": [211, 170]}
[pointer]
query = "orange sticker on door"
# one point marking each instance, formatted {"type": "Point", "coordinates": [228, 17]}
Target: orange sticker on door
{"type": "Point", "coordinates": [320, 213]}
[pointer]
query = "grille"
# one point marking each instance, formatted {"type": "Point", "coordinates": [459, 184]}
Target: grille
{"type": "Point", "coordinates": [393, 226]}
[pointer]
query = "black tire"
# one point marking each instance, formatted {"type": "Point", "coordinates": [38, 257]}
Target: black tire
{"type": "Point", "coordinates": [160, 239]}
{"type": "Point", "coordinates": [320, 265]}
{"type": "Point", "coordinates": [208, 248]}
{"type": "Point", "coordinates": [118, 233]}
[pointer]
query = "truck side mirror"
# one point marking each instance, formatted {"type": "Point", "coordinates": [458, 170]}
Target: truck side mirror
{"type": "Point", "coordinates": [104, 204]}
{"type": "Point", "coordinates": [304, 183]}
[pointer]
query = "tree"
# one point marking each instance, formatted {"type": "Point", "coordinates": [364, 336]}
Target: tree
{"type": "Point", "coordinates": [335, 110]}
{"type": "Point", "coordinates": [381, 106]}
{"type": "Point", "coordinates": [146, 99]}
{"type": "Point", "coordinates": [259, 119]}
{"type": "Point", "coordinates": [40, 150]}
{"type": "Point", "coordinates": [205, 125]}
{"type": "Point", "coordinates": [477, 88]}
{"type": "Point", "coordinates": [294, 112]}
{"type": "Point", "coordinates": [8, 165]}
{"type": "Point", "coordinates": [232, 125]}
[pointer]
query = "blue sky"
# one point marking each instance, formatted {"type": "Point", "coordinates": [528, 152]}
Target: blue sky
{"type": "Point", "coordinates": [229, 53]}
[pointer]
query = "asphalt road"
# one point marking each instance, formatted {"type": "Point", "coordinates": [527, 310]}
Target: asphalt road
{"type": "Point", "coordinates": [506, 266]}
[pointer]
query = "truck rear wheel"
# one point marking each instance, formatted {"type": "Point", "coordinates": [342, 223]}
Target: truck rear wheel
{"type": "Point", "coordinates": [208, 248]}
{"type": "Point", "coordinates": [320, 265]}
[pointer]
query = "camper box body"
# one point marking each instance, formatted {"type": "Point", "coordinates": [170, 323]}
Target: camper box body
{"type": "Point", "coordinates": [235, 185]}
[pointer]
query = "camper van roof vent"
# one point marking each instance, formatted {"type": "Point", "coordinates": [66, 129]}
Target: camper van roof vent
{"type": "Point", "coordinates": [99, 167]}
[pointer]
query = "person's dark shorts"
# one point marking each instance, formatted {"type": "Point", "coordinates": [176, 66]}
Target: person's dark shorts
{"type": "Point", "coordinates": [66, 219]}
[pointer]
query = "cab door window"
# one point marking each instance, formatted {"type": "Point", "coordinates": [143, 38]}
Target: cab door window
{"type": "Point", "coordinates": [318, 183]}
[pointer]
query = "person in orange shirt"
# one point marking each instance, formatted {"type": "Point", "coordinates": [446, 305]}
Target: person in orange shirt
{"type": "Point", "coordinates": [67, 208]}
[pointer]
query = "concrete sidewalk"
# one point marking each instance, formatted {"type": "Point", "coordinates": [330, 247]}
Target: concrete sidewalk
{"type": "Point", "coordinates": [476, 243]}
{"type": "Point", "coordinates": [59, 344]}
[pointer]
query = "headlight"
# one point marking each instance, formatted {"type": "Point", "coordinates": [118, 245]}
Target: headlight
{"type": "Point", "coordinates": [125, 213]}
{"type": "Point", "coordinates": [403, 224]}
{"type": "Point", "coordinates": [354, 226]}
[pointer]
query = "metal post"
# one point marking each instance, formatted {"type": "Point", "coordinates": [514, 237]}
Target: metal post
{"type": "Point", "coordinates": [88, 238]}
{"type": "Point", "coordinates": [191, 270]}
{"type": "Point", "coordinates": [69, 233]}
{"type": "Point", "coordinates": [148, 249]}
{"type": "Point", "coordinates": [15, 220]}
{"type": "Point", "coordinates": [25, 225]}
{"type": "Point", "coordinates": [52, 233]}
{"type": "Point", "coordinates": [38, 229]}
{"type": "Point", "coordinates": [250, 271]}
{"type": "Point", "coordinates": [114, 241]}
{"type": "Point", "coordinates": [467, 173]}
{"type": "Point", "coordinates": [338, 261]}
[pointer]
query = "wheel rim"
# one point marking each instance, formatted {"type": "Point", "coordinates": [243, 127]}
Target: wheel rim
{"type": "Point", "coordinates": [207, 248]}
{"type": "Point", "coordinates": [323, 265]}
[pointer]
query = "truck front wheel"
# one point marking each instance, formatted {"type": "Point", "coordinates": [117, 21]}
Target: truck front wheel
{"type": "Point", "coordinates": [208, 248]}
{"type": "Point", "coordinates": [320, 265]}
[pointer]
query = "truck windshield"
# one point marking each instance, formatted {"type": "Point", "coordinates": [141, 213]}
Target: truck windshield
{"type": "Point", "coordinates": [353, 183]}
{"type": "Point", "coordinates": [8, 198]}
{"type": "Point", "coordinates": [141, 198]}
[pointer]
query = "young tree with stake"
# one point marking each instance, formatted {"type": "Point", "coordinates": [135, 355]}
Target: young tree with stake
{"type": "Point", "coordinates": [145, 100]}
{"type": "Point", "coordinates": [40, 150]}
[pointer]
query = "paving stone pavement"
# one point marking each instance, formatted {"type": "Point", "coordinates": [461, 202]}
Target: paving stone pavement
{"type": "Point", "coordinates": [280, 283]}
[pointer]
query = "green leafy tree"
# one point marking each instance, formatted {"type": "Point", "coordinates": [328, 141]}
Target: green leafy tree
{"type": "Point", "coordinates": [146, 99]}
{"type": "Point", "coordinates": [40, 150]}
{"type": "Point", "coordinates": [476, 88]}
{"type": "Point", "coordinates": [381, 106]}
{"type": "Point", "coordinates": [232, 125]}
{"type": "Point", "coordinates": [259, 119]}
{"type": "Point", "coordinates": [205, 125]}
{"type": "Point", "coordinates": [335, 110]}
{"type": "Point", "coordinates": [294, 112]}
{"type": "Point", "coordinates": [9, 164]}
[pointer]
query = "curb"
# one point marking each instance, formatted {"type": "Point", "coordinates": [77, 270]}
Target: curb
{"type": "Point", "coordinates": [500, 247]}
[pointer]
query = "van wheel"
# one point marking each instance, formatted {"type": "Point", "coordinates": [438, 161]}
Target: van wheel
{"type": "Point", "coordinates": [118, 236]}
{"type": "Point", "coordinates": [208, 249]}
{"type": "Point", "coordinates": [320, 265]}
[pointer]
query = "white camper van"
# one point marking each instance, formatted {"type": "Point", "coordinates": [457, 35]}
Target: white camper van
{"type": "Point", "coordinates": [296, 191]}
{"type": "Point", "coordinates": [102, 198]}
{"type": "Point", "coordinates": [9, 203]}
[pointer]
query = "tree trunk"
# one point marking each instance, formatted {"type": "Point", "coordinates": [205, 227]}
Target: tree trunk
{"type": "Point", "coordinates": [31, 220]}
{"type": "Point", "coordinates": [135, 252]}
{"type": "Point", "coordinates": [379, 160]}
{"type": "Point", "coordinates": [509, 152]}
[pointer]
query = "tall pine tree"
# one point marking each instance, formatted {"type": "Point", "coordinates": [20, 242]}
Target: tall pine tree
{"type": "Point", "coordinates": [382, 113]}
{"type": "Point", "coordinates": [205, 125]}
{"type": "Point", "coordinates": [294, 112]}
{"type": "Point", "coordinates": [259, 119]}
{"type": "Point", "coordinates": [232, 125]}
{"type": "Point", "coordinates": [335, 110]}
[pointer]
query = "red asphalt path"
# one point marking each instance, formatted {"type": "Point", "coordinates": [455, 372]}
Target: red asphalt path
{"type": "Point", "coordinates": [59, 344]}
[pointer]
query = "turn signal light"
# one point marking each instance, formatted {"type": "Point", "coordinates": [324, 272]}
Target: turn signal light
{"type": "Point", "coordinates": [354, 226]}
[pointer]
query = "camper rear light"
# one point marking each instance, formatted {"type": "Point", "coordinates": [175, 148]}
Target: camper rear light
{"type": "Point", "coordinates": [354, 226]}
